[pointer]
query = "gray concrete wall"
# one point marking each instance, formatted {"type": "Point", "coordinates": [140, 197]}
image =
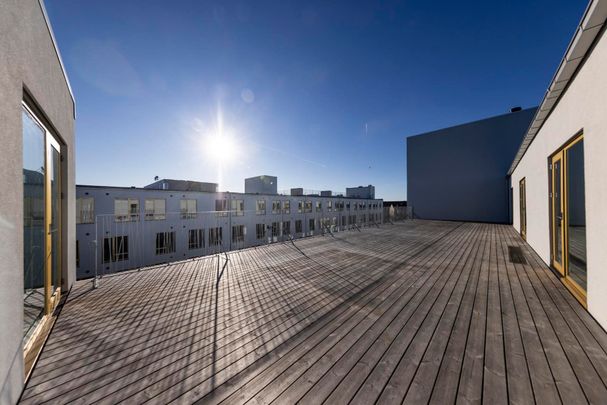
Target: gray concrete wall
{"type": "Point", "coordinates": [142, 233]}
{"type": "Point", "coordinates": [459, 173]}
{"type": "Point", "coordinates": [27, 61]}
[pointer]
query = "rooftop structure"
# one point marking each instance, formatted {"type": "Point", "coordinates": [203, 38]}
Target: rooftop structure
{"type": "Point", "coordinates": [361, 192]}
{"type": "Point", "coordinates": [417, 311]}
{"type": "Point", "coordinates": [459, 173]}
{"type": "Point", "coordinates": [261, 185]}
{"type": "Point", "coordinates": [183, 185]}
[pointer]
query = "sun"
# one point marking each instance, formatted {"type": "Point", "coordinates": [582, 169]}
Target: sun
{"type": "Point", "coordinates": [221, 148]}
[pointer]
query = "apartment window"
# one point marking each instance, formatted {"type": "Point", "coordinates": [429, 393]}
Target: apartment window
{"type": "Point", "coordinates": [165, 243]}
{"type": "Point", "coordinates": [196, 239]}
{"type": "Point", "coordinates": [300, 206]}
{"type": "Point", "coordinates": [215, 236]}
{"type": "Point", "coordinates": [344, 221]}
{"type": "Point", "coordinates": [298, 227]}
{"type": "Point", "coordinates": [126, 209]}
{"type": "Point", "coordinates": [348, 206]}
{"type": "Point", "coordinates": [308, 206]}
{"type": "Point", "coordinates": [188, 209]}
{"type": "Point", "coordinates": [286, 207]}
{"type": "Point", "coordinates": [276, 207]}
{"type": "Point", "coordinates": [312, 225]}
{"type": "Point", "coordinates": [318, 206]}
{"type": "Point", "coordinates": [155, 209]}
{"type": "Point", "coordinates": [355, 206]}
{"type": "Point", "coordinates": [237, 207]}
{"type": "Point", "coordinates": [260, 231]}
{"type": "Point", "coordinates": [85, 210]}
{"type": "Point", "coordinates": [275, 229]}
{"type": "Point", "coordinates": [221, 207]}
{"type": "Point", "coordinates": [286, 228]}
{"type": "Point", "coordinates": [238, 232]}
{"type": "Point", "coordinates": [115, 249]}
{"type": "Point", "coordinates": [329, 206]}
{"type": "Point", "coordinates": [261, 207]}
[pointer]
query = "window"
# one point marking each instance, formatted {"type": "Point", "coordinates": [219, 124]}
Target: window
{"type": "Point", "coordinates": [238, 233]}
{"type": "Point", "coordinates": [221, 207]}
{"type": "Point", "coordinates": [312, 224]}
{"type": "Point", "coordinates": [215, 236]}
{"type": "Point", "coordinates": [196, 239]}
{"type": "Point", "coordinates": [155, 209]}
{"type": "Point", "coordinates": [298, 227]}
{"type": "Point", "coordinates": [275, 229]}
{"type": "Point", "coordinates": [261, 207]}
{"type": "Point", "coordinates": [260, 231]}
{"type": "Point", "coordinates": [344, 221]}
{"type": "Point", "coordinates": [188, 209]}
{"type": "Point", "coordinates": [286, 207]}
{"type": "Point", "coordinates": [348, 206]}
{"type": "Point", "coordinates": [355, 206]}
{"type": "Point", "coordinates": [329, 206]}
{"type": "Point", "coordinates": [286, 228]}
{"type": "Point", "coordinates": [237, 207]}
{"type": "Point", "coordinates": [308, 206]}
{"type": "Point", "coordinates": [126, 209]}
{"type": "Point", "coordinates": [300, 206]}
{"type": "Point", "coordinates": [115, 249]}
{"type": "Point", "coordinates": [318, 206]}
{"type": "Point", "coordinates": [276, 207]}
{"type": "Point", "coordinates": [165, 243]}
{"type": "Point", "coordinates": [85, 210]}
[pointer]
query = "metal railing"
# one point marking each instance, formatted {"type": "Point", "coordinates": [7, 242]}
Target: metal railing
{"type": "Point", "coordinates": [114, 243]}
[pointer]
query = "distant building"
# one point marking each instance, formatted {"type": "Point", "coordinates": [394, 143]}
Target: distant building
{"type": "Point", "coordinates": [37, 229]}
{"type": "Point", "coordinates": [261, 185]}
{"type": "Point", "coordinates": [361, 192]}
{"type": "Point", "coordinates": [459, 173]}
{"type": "Point", "coordinates": [121, 228]}
{"type": "Point", "coordinates": [183, 185]}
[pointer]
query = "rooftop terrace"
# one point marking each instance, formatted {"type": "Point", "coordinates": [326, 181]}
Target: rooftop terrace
{"type": "Point", "coordinates": [417, 311]}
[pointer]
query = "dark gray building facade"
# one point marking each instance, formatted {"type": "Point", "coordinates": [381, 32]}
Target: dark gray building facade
{"type": "Point", "coordinates": [459, 173]}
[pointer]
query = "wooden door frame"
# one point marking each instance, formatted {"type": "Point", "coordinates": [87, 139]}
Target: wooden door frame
{"type": "Point", "coordinates": [578, 292]}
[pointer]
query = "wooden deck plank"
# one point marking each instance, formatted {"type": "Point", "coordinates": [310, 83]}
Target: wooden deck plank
{"type": "Point", "coordinates": [420, 311]}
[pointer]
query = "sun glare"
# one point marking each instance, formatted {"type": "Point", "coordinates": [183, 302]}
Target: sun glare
{"type": "Point", "coordinates": [221, 148]}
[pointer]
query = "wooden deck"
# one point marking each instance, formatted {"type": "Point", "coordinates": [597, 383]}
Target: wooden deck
{"type": "Point", "coordinates": [415, 312]}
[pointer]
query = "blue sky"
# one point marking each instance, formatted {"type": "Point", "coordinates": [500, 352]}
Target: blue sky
{"type": "Point", "coordinates": [321, 94]}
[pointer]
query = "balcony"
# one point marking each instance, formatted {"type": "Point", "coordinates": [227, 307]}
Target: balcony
{"type": "Point", "coordinates": [417, 311]}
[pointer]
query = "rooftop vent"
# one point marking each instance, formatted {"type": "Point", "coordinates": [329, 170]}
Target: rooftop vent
{"type": "Point", "coordinates": [516, 109]}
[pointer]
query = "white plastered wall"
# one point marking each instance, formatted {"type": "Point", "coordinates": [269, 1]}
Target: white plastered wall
{"type": "Point", "coordinates": [582, 107]}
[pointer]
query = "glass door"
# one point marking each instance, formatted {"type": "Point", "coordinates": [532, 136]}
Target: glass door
{"type": "Point", "coordinates": [556, 205]}
{"type": "Point", "coordinates": [41, 222]}
{"type": "Point", "coordinates": [54, 222]}
{"type": "Point", "coordinates": [523, 208]}
{"type": "Point", "coordinates": [568, 216]}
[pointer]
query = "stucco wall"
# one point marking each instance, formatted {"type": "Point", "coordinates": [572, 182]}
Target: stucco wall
{"type": "Point", "coordinates": [28, 60]}
{"type": "Point", "coordinates": [582, 107]}
{"type": "Point", "coordinates": [459, 173]}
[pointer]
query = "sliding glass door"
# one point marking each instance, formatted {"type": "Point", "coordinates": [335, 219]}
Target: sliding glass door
{"type": "Point", "coordinates": [41, 222]}
{"type": "Point", "coordinates": [523, 208]}
{"type": "Point", "coordinates": [568, 216]}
